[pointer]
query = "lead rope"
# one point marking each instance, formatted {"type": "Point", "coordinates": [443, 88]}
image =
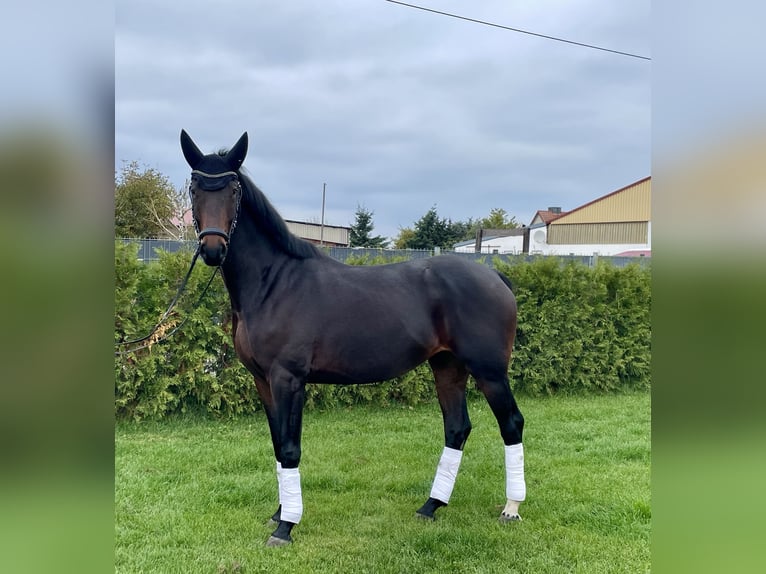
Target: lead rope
{"type": "Point", "coordinates": [151, 338]}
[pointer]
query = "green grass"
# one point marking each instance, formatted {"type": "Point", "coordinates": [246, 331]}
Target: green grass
{"type": "Point", "coordinates": [194, 495]}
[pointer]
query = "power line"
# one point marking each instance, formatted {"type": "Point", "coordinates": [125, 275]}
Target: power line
{"type": "Point", "coordinates": [519, 30]}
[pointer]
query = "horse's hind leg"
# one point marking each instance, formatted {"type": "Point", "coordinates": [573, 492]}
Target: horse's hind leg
{"type": "Point", "coordinates": [451, 376]}
{"type": "Point", "coordinates": [500, 398]}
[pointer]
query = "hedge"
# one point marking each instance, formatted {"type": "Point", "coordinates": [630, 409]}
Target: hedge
{"type": "Point", "coordinates": [580, 330]}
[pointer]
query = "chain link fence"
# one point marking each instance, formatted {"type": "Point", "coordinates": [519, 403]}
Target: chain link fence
{"type": "Point", "coordinates": [149, 251]}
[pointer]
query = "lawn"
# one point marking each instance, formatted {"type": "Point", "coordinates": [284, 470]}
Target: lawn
{"type": "Point", "coordinates": [194, 495]}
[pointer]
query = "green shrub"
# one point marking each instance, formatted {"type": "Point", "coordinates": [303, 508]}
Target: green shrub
{"type": "Point", "coordinates": [197, 368]}
{"type": "Point", "coordinates": [580, 330]}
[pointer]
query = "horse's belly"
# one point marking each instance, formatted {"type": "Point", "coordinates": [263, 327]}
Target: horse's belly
{"type": "Point", "coordinates": [355, 376]}
{"type": "Point", "coordinates": [357, 362]}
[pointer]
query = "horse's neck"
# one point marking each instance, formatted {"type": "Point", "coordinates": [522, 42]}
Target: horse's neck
{"type": "Point", "coordinates": [251, 264]}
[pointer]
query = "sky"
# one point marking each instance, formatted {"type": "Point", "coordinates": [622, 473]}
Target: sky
{"type": "Point", "coordinates": [395, 109]}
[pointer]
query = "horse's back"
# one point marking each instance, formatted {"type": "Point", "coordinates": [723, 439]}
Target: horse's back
{"type": "Point", "coordinates": [447, 285]}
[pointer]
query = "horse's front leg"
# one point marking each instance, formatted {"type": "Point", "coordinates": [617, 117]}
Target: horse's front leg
{"type": "Point", "coordinates": [288, 393]}
{"type": "Point", "coordinates": [264, 392]}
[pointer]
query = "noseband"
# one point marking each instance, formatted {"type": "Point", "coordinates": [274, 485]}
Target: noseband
{"type": "Point", "coordinates": [216, 182]}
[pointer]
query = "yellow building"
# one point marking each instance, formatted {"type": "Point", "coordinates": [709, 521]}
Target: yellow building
{"type": "Point", "coordinates": [618, 223]}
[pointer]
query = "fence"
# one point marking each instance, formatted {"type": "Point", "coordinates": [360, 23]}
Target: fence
{"type": "Point", "coordinates": [149, 251]}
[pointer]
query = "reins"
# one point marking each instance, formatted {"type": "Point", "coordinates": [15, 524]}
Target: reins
{"type": "Point", "coordinates": [210, 182]}
{"type": "Point", "coordinates": [151, 338]}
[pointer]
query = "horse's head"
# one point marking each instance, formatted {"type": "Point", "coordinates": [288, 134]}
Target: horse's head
{"type": "Point", "coordinates": [215, 195]}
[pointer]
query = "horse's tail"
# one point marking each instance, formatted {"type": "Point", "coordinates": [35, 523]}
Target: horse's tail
{"type": "Point", "coordinates": [505, 280]}
{"type": "Point", "coordinates": [512, 317]}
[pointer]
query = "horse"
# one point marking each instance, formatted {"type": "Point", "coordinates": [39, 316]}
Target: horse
{"type": "Point", "coordinates": [300, 316]}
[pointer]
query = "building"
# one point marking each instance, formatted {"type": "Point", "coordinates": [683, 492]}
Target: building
{"type": "Point", "coordinates": [615, 224]}
{"type": "Point", "coordinates": [547, 215]}
{"type": "Point", "coordinates": [495, 241]}
{"type": "Point", "coordinates": [331, 235]}
{"type": "Point", "coordinates": [618, 224]}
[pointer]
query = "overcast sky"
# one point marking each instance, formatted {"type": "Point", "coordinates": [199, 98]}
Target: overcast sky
{"type": "Point", "coordinates": [394, 108]}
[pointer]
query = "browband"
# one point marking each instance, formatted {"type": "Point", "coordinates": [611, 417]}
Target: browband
{"type": "Point", "coordinates": [213, 181]}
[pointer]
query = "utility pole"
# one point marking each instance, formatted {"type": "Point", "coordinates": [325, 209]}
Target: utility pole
{"type": "Point", "coordinates": [321, 228]}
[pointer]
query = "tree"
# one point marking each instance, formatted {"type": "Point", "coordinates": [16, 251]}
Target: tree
{"type": "Point", "coordinates": [463, 230]}
{"type": "Point", "coordinates": [431, 231]}
{"type": "Point", "coordinates": [498, 219]}
{"type": "Point", "coordinates": [359, 236]}
{"type": "Point", "coordinates": [406, 234]}
{"type": "Point", "coordinates": [146, 204]}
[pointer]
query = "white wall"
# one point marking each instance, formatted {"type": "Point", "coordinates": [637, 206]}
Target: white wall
{"type": "Point", "coordinates": [538, 245]}
{"type": "Point", "coordinates": [511, 244]}
{"type": "Point", "coordinates": [591, 249]}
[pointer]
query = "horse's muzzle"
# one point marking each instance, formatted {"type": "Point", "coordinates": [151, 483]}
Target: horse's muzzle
{"type": "Point", "coordinates": [213, 245]}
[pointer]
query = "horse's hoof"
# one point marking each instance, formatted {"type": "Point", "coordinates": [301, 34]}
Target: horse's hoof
{"type": "Point", "coordinates": [506, 518]}
{"type": "Point", "coordinates": [431, 518]}
{"type": "Point", "coordinates": [274, 542]}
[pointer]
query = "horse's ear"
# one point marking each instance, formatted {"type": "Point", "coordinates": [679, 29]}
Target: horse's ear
{"type": "Point", "coordinates": [237, 154]}
{"type": "Point", "coordinates": [192, 153]}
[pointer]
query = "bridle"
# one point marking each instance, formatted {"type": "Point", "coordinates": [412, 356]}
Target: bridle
{"type": "Point", "coordinates": [210, 182]}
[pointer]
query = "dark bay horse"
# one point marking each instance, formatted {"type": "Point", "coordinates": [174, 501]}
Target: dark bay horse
{"type": "Point", "coordinates": [300, 316]}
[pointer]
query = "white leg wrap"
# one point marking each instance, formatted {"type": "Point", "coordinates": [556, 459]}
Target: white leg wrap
{"type": "Point", "coordinates": [515, 487]}
{"type": "Point", "coordinates": [446, 473]}
{"type": "Point", "coordinates": [290, 494]}
{"type": "Point", "coordinates": [279, 481]}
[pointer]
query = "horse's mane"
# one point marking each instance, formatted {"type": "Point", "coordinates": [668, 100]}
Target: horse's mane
{"type": "Point", "coordinates": [268, 218]}
{"type": "Point", "coordinates": [271, 223]}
